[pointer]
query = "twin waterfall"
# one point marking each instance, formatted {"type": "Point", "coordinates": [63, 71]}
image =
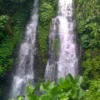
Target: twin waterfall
{"type": "Point", "coordinates": [24, 72]}
{"type": "Point", "coordinates": [63, 57]}
{"type": "Point", "coordinates": [62, 41]}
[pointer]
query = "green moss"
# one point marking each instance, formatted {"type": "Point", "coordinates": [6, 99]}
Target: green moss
{"type": "Point", "coordinates": [47, 12]}
{"type": "Point", "coordinates": [55, 46]}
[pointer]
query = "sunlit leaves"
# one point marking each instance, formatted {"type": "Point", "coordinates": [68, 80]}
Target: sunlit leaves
{"type": "Point", "coordinates": [46, 12]}
{"type": "Point", "coordinates": [68, 88]}
{"type": "Point", "coordinates": [3, 20]}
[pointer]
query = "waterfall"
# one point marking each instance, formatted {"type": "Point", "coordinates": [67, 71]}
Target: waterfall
{"type": "Point", "coordinates": [63, 58]}
{"type": "Point", "coordinates": [24, 70]}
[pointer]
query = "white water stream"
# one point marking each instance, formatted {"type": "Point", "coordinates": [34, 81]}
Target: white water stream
{"type": "Point", "coordinates": [63, 57]}
{"type": "Point", "coordinates": [24, 71]}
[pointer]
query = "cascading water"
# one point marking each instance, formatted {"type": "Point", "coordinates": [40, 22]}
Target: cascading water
{"type": "Point", "coordinates": [63, 57]}
{"type": "Point", "coordinates": [24, 71]}
{"type": "Point", "coordinates": [51, 68]}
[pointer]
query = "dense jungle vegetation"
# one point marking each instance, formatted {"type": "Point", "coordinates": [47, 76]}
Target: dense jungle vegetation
{"type": "Point", "coordinates": [14, 15]}
{"type": "Point", "coordinates": [13, 18]}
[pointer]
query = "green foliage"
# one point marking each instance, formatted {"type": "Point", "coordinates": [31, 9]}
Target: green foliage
{"type": "Point", "coordinates": [91, 66]}
{"type": "Point", "coordinates": [88, 23]}
{"type": "Point", "coordinates": [9, 7]}
{"type": "Point", "coordinates": [47, 12]}
{"type": "Point", "coordinates": [94, 91]}
{"type": "Point", "coordinates": [6, 49]}
{"type": "Point", "coordinates": [13, 16]}
{"type": "Point", "coordinates": [67, 89]}
{"type": "Point", "coordinates": [3, 21]}
{"type": "Point", "coordinates": [20, 97]}
{"type": "Point", "coordinates": [8, 44]}
{"type": "Point", "coordinates": [13, 23]}
{"type": "Point", "coordinates": [20, 1]}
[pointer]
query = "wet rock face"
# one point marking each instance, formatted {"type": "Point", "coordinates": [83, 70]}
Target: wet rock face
{"type": "Point", "coordinates": [39, 66]}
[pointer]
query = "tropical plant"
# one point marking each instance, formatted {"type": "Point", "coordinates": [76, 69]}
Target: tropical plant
{"type": "Point", "coordinates": [88, 23]}
{"type": "Point", "coordinates": [67, 88]}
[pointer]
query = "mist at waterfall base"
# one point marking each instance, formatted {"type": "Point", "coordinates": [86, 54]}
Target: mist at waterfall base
{"type": "Point", "coordinates": [63, 57]}
{"type": "Point", "coordinates": [24, 70]}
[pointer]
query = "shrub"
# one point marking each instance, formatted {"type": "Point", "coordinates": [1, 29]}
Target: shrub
{"type": "Point", "coordinates": [67, 88]}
